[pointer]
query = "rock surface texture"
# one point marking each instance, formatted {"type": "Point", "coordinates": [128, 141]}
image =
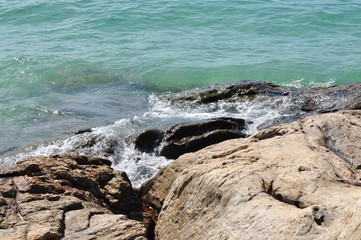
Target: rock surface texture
{"type": "Point", "coordinates": [294, 181]}
{"type": "Point", "coordinates": [189, 137]}
{"type": "Point", "coordinates": [67, 197]}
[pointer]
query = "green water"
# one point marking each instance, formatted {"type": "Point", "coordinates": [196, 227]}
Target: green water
{"type": "Point", "coordinates": [66, 65]}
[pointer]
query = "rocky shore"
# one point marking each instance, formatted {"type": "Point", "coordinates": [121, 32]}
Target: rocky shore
{"type": "Point", "coordinates": [293, 181]}
{"type": "Point", "coordinates": [298, 177]}
{"type": "Point", "coordinates": [68, 197]}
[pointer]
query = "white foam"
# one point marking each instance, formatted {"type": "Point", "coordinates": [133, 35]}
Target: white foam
{"type": "Point", "coordinates": [303, 83]}
{"type": "Point", "coordinates": [140, 166]}
{"type": "Point", "coordinates": [255, 113]}
{"type": "Point", "coordinates": [161, 114]}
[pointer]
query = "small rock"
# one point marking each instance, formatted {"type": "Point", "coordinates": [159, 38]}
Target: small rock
{"type": "Point", "coordinates": [81, 131]}
{"type": "Point", "coordinates": [148, 140]}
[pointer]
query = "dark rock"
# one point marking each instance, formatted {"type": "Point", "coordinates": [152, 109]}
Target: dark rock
{"type": "Point", "coordinates": [189, 137]}
{"type": "Point", "coordinates": [242, 90]}
{"type": "Point", "coordinates": [174, 148]}
{"type": "Point", "coordinates": [148, 140]}
{"type": "Point", "coordinates": [81, 131]}
{"type": "Point", "coordinates": [180, 131]}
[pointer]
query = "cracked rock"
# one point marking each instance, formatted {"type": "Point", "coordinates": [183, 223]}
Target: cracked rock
{"type": "Point", "coordinates": [67, 197]}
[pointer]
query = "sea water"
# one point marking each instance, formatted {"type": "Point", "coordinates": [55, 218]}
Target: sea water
{"type": "Point", "coordinates": [70, 65]}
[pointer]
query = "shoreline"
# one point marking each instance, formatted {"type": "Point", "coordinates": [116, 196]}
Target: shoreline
{"type": "Point", "coordinates": [261, 104]}
{"type": "Point", "coordinates": [289, 165]}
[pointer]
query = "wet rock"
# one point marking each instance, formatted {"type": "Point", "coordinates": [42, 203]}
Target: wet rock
{"type": "Point", "coordinates": [292, 181]}
{"type": "Point", "coordinates": [148, 140]}
{"type": "Point", "coordinates": [183, 138]}
{"type": "Point", "coordinates": [239, 91]}
{"type": "Point", "coordinates": [296, 103]}
{"type": "Point", "coordinates": [184, 130]}
{"type": "Point", "coordinates": [95, 144]}
{"type": "Point", "coordinates": [189, 137]}
{"type": "Point", "coordinates": [174, 148]}
{"type": "Point", "coordinates": [67, 197]}
{"type": "Point", "coordinates": [81, 131]}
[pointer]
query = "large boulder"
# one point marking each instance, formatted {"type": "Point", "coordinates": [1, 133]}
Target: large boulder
{"type": "Point", "coordinates": [293, 181]}
{"type": "Point", "coordinates": [67, 197]}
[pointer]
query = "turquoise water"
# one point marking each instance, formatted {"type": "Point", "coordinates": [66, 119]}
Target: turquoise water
{"type": "Point", "coordinates": [66, 65]}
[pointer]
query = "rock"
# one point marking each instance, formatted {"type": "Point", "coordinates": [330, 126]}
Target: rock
{"type": "Point", "coordinates": [184, 138]}
{"type": "Point", "coordinates": [174, 148]}
{"type": "Point", "coordinates": [148, 140]}
{"type": "Point", "coordinates": [109, 225]}
{"type": "Point", "coordinates": [81, 131]}
{"type": "Point", "coordinates": [104, 145]}
{"type": "Point", "coordinates": [180, 131]}
{"type": "Point", "coordinates": [189, 137]}
{"type": "Point", "coordinates": [293, 103]}
{"type": "Point", "coordinates": [239, 91]}
{"type": "Point", "coordinates": [67, 197]}
{"type": "Point", "coordinates": [292, 181]}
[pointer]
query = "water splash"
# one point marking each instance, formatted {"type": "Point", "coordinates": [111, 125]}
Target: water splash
{"type": "Point", "coordinates": [303, 83]}
{"type": "Point", "coordinates": [114, 141]}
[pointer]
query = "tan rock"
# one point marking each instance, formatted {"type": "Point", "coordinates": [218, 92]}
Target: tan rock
{"type": "Point", "coordinates": [67, 197]}
{"type": "Point", "coordinates": [294, 181]}
{"type": "Point", "coordinates": [102, 226]}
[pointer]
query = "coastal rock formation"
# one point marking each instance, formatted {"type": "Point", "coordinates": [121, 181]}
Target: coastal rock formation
{"type": "Point", "coordinates": [262, 104]}
{"type": "Point", "coordinates": [293, 103]}
{"type": "Point", "coordinates": [189, 137]}
{"type": "Point", "coordinates": [293, 181]}
{"type": "Point", "coordinates": [67, 197]}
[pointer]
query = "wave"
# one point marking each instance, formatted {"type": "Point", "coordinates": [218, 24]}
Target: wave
{"type": "Point", "coordinates": [114, 141]}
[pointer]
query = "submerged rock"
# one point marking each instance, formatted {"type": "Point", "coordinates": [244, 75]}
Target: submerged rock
{"type": "Point", "coordinates": [239, 91]}
{"type": "Point", "coordinates": [67, 197]}
{"type": "Point", "coordinates": [293, 181]}
{"type": "Point", "coordinates": [301, 102]}
{"type": "Point", "coordinates": [81, 131]}
{"type": "Point", "coordinates": [189, 137]}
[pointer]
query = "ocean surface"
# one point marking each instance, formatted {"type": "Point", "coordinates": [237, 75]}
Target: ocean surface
{"type": "Point", "coordinates": [70, 65]}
